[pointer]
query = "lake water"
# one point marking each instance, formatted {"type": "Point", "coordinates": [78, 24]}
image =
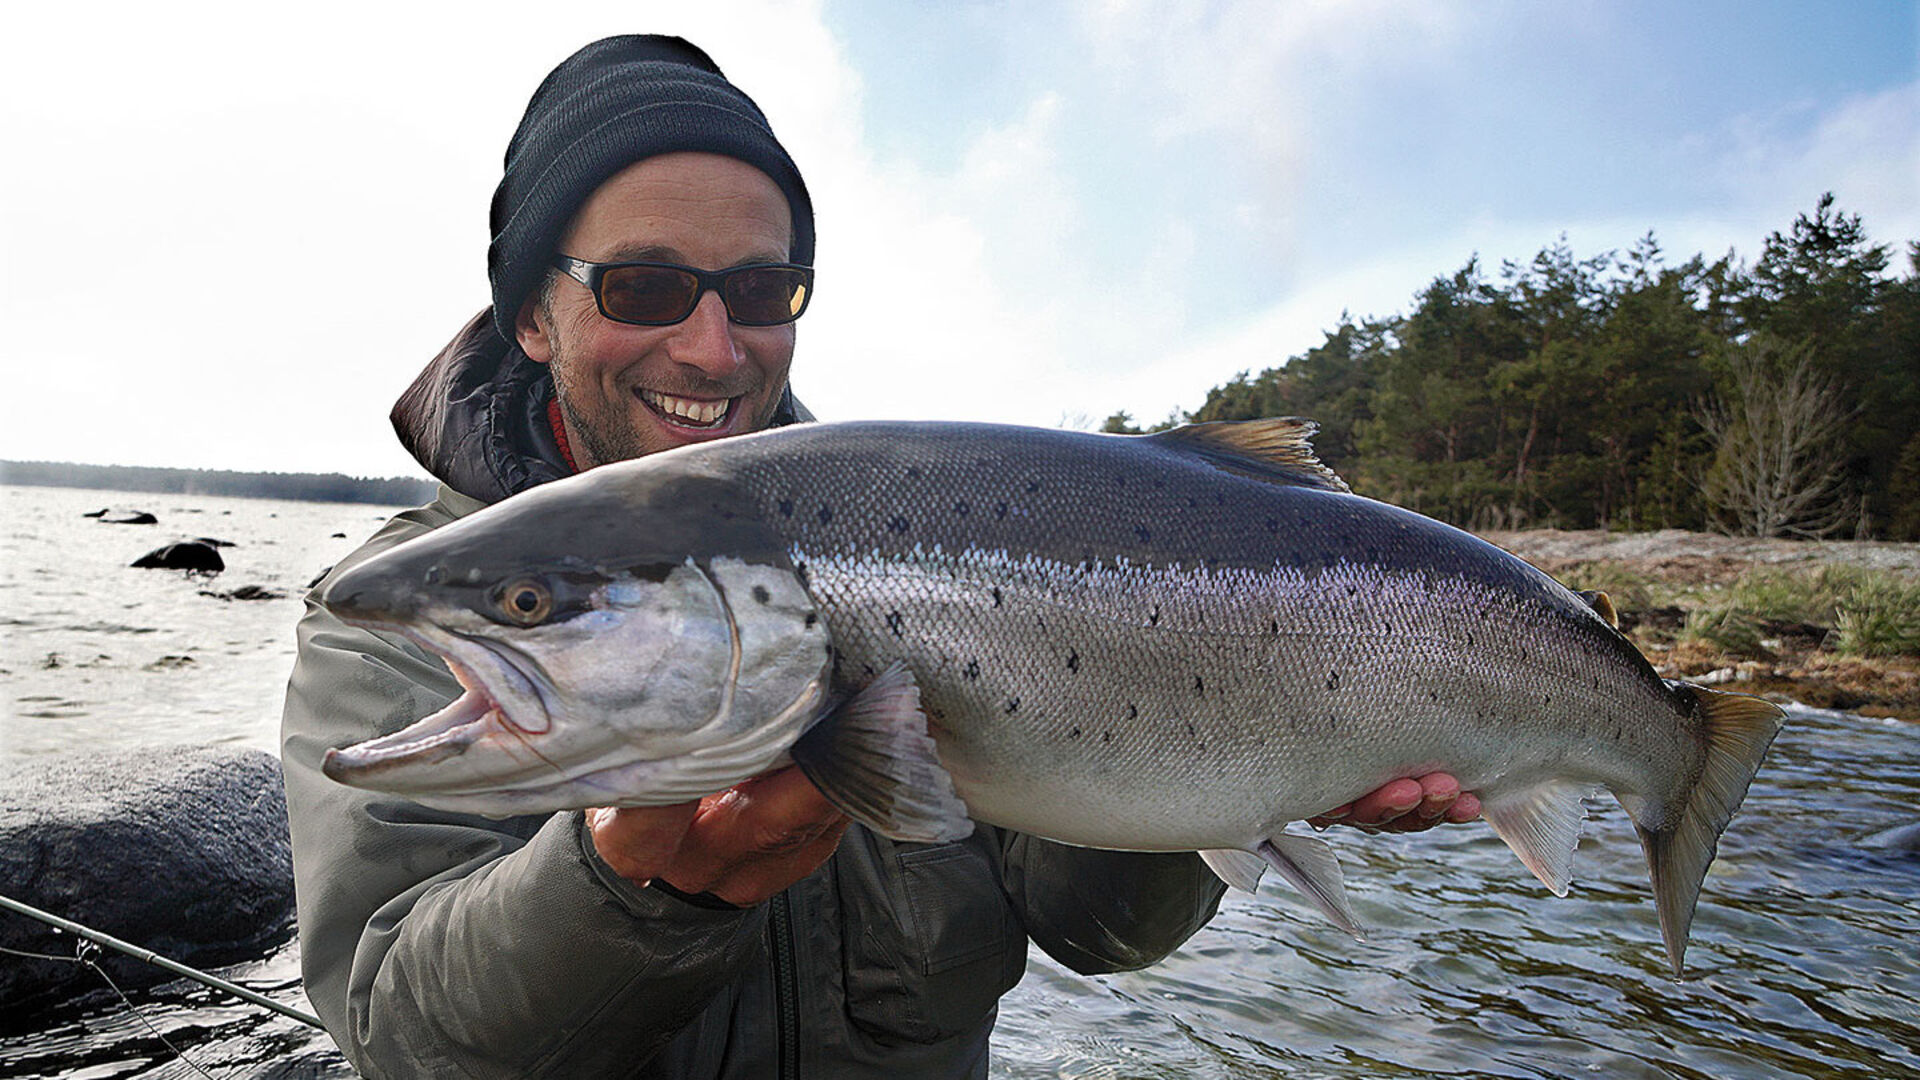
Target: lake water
{"type": "Point", "coordinates": [1803, 961]}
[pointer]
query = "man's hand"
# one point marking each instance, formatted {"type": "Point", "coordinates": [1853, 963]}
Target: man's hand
{"type": "Point", "coordinates": [1405, 806]}
{"type": "Point", "coordinates": [742, 845]}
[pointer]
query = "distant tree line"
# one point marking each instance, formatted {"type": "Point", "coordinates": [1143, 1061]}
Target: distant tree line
{"type": "Point", "coordinates": [315, 487]}
{"type": "Point", "coordinates": [1781, 398]}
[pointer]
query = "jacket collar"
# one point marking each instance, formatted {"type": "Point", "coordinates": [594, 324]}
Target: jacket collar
{"type": "Point", "coordinates": [476, 418]}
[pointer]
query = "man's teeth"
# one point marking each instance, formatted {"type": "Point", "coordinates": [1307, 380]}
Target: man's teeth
{"type": "Point", "coordinates": [705, 413]}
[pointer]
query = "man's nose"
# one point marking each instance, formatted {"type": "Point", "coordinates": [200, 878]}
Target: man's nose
{"type": "Point", "coordinates": [706, 339]}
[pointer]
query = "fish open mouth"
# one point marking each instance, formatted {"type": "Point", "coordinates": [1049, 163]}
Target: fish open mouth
{"type": "Point", "coordinates": [476, 715]}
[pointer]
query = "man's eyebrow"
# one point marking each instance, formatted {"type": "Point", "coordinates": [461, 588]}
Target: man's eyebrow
{"type": "Point", "coordinates": [667, 254]}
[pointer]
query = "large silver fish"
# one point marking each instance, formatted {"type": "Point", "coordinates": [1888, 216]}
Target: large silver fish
{"type": "Point", "coordinates": [1181, 641]}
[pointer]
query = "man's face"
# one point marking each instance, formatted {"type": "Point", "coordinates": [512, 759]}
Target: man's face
{"type": "Point", "coordinates": [629, 390]}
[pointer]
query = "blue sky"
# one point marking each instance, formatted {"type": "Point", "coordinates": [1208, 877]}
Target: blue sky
{"type": "Point", "coordinates": [1034, 213]}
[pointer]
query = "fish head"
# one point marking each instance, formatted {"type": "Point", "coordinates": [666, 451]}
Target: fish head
{"type": "Point", "coordinates": [622, 639]}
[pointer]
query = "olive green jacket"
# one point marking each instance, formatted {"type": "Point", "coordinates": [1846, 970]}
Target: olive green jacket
{"type": "Point", "coordinates": [442, 945]}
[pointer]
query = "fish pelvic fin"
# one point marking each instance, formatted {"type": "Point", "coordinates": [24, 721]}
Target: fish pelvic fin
{"type": "Point", "coordinates": [1277, 449]}
{"type": "Point", "coordinates": [1310, 866]}
{"type": "Point", "coordinates": [1542, 826]}
{"type": "Point", "coordinates": [872, 757]}
{"type": "Point", "coordinates": [1240, 869]}
{"type": "Point", "coordinates": [1738, 728]}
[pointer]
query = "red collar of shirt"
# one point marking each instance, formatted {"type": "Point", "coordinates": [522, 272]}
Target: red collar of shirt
{"type": "Point", "coordinates": [560, 431]}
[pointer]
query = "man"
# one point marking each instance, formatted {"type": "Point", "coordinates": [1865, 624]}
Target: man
{"type": "Point", "coordinates": [652, 247]}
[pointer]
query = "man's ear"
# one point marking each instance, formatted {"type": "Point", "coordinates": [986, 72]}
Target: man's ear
{"type": "Point", "coordinates": [531, 331]}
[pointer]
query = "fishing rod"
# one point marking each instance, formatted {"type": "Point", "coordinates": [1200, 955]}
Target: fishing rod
{"type": "Point", "coordinates": [157, 960]}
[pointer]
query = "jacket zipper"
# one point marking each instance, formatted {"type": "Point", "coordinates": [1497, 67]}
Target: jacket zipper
{"type": "Point", "coordinates": [786, 987]}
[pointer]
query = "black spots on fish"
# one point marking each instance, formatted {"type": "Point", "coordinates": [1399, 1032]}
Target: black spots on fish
{"type": "Point", "coordinates": [1199, 686]}
{"type": "Point", "coordinates": [825, 516]}
{"type": "Point", "coordinates": [800, 572]}
{"type": "Point", "coordinates": [1033, 486]}
{"type": "Point", "coordinates": [1469, 639]}
{"type": "Point", "coordinates": [867, 670]}
{"type": "Point", "coordinates": [962, 508]}
{"type": "Point", "coordinates": [972, 670]}
{"type": "Point", "coordinates": [1190, 731]}
{"type": "Point", "coordinates": [761, 595]}
{"type": "Point", "coordinates": [1333, 680]}
{"type": "Point", "coordinates": [1133, 711]}
{"type": "Point", "coordinates": [1144, 534]}
{"type": "Point", "coordinates": [1273, 627]}
{"type": "Point", "coordinates": [1075, 733]}
{"type": "Point", "coordinates": [1386, 628]}
{"type": "Point", "coordinates": [1073, 661]}
{"type": "Point", "coordinates": [997, 598]}
{"type": "Point", "coordinates": [1153, 617]}
{"type": "Point", "coordinates": [1106, 736]}
{"type": "Point", "coordinates": [1433, 695]}
{"type": "Point", "coordinates": [786, 508]}
{"type": "Point", "coordinates": [812, 620]}
{"type": "Point", "coordinates": [1013, 706]}
{"type": "Point", "coordinates": [1523, 654]}
{"type": "Point", "coordinates": [898, 524]}
{"type": "Point", "coordinates": [893, 622]}
{"type": "Point", "coordinates": [1352, 589]}
{"type": "Point", "coordinates": [1547, 699]}
{"type": "Point", "coordinates": [1000, 510]}
{"type": "Point", "coordinates": [914, 473]}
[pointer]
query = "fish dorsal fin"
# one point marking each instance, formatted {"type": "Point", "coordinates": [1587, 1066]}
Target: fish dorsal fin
{"type": "Point", "coordinates": [1602, 604]}
{"type": "Point", "coordinates": [1278, 449]}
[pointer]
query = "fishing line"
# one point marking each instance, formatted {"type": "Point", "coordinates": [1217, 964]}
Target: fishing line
{"type": "Point", "coordinates": [84, 952]}
{"type": "Point", "coordinates": [157, 960]}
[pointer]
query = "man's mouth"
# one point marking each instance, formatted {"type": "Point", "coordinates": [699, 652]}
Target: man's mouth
{"type": "Point", "coordinates": [689, 412]}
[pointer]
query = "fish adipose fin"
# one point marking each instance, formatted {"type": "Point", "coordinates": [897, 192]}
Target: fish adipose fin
{"type": "Point", "coordinates": [1310, 866]}
{"type": "Point", "coordinates": [1240, 869]}
{"type": "Point", "coordinates": [872, 757]}
{"type": "Point", "coordinates": [1542, 825]}
{"type": "Point", "coordinates": [1602, 605]}
{"type": "Point", "coordinates": [1681, 840]}
{"type": "Point", "coordinates": [1278, 449]}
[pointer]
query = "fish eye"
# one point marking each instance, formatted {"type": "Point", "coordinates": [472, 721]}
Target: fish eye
{"type": "Point", "coordinates": [526, 602]}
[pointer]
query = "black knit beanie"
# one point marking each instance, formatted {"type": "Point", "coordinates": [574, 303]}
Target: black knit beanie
{"type": "Point", "coordinates": [615, 102]}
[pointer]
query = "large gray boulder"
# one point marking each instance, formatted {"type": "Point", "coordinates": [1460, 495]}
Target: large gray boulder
{"type": "Point", "coordinates": [182, 850]}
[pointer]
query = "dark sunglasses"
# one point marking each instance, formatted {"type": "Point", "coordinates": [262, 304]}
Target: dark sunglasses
{"type": "Point", "coordinates": [661, 294]}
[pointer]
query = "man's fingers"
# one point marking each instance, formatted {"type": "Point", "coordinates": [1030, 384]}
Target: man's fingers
{"type": "Point", "coordinates": [640, 842]}
{"type": "Point", "coordinates": [1406, 805]}
{"type": "Point", "coordinates": [770, 829]}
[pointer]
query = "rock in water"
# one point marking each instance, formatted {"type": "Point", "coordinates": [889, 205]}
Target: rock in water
{"type": "Point", "coordinates": [185, 555]}
{"type": "Point", "coordinates": [182, 850]}
{"type": "Point", "coordinates": [124, 517]}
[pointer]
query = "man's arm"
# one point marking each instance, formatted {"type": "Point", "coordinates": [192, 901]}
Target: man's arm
{"type": "Point", "coordinates": [436, 944]}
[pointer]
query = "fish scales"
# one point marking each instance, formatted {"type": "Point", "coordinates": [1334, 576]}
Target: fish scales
{"type": "Point", "coordinates": [1070, 612]}
{"type": "Point", "coordinates": [1182, 641]}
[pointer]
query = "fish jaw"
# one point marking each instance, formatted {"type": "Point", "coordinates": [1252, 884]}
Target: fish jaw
{"type": "Point", "coordinates": [673, 687]}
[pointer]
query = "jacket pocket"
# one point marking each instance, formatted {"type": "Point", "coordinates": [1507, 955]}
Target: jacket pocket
{"type": "Point", "coordinates": [937, 968]}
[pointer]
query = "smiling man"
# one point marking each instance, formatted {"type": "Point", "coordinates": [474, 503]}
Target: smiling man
{"type": "Point", "coordinates": [652, 251]}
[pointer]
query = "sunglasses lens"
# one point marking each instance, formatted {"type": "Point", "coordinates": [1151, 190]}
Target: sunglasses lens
{"type": "Point", "coordinates": [766, 295]}
{"type": "Point", "coordinates": [648, 294]}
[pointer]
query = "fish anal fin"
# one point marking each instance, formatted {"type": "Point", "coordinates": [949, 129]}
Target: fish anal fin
{"type": "Point", "coordinates": [1310, 866]}
{"type": "Point", "coordinates": [1542, 825]}
{"type": "Point", "coordinates": [872, 757]}
{"type": "Point", "coordinates": [1680, 841]}
{"type": "Point", "coordinates": [1277, 449]}
{"type": "Point", "coordinates": [1240, 869]}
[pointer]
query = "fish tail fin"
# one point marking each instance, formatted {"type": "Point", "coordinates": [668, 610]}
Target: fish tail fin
{"type": "Point", "coordinates": [1737, 729]}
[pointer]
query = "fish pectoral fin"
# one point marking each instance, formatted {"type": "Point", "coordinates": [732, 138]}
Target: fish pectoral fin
{"type": "Point", "coordinates": [1310, 866]}
{"type": "Point", "coordinates": [872, 757]}
{"type": "Point", "coordinates": [1542, 825]}
{"type": "Point", "coordinates": [1277, 449]}
{"type": "Point", "coordinates": [1240, 869]}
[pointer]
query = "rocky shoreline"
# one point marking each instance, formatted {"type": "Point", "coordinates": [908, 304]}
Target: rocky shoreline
{"type": "Point", "coordinates": [1664, 582]}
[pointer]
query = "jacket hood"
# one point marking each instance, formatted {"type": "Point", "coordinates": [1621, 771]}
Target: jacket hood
{"type": "Point", "coordinates": [476, 418]}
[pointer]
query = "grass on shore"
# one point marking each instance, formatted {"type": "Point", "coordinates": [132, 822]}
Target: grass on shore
{"type": "Point", "coordinates": [1849, 610]}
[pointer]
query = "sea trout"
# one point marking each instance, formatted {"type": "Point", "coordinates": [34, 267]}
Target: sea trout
{"type": "Point", "coordinates": [1173, 642]}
